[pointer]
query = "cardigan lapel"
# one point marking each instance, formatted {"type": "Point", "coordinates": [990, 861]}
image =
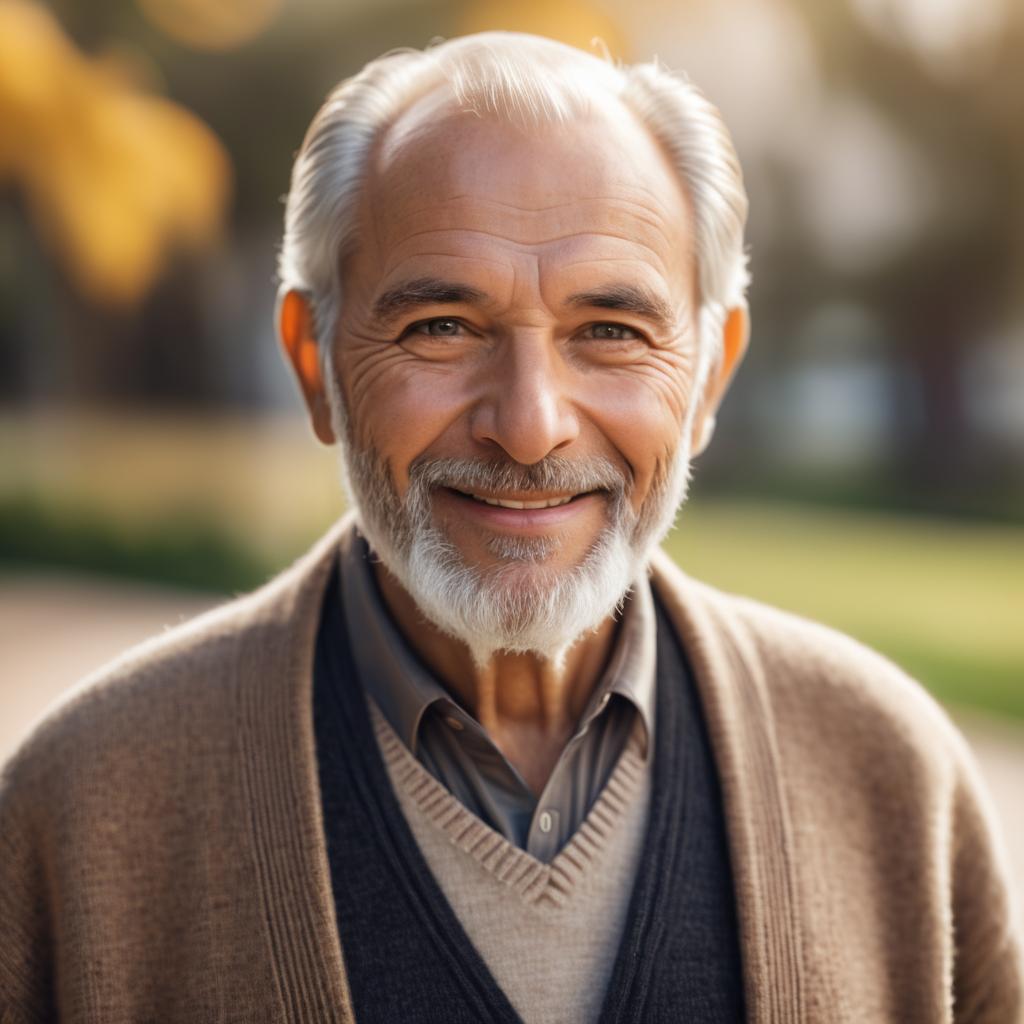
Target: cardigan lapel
{"type": "Point", "coordinates": [279, 770]}
{"type": "Point", "coordinates": [733, 692]}
{"type": "Point", "coordinates": [279, 773]}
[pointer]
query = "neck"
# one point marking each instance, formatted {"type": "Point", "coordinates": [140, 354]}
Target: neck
{"type": "Point", "coordinates": [528, 704]}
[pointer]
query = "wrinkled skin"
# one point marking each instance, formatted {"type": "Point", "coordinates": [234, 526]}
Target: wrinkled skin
{"type": "Point", "coordinates": [526, 221]}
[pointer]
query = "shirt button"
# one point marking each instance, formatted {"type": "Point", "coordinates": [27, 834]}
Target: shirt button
{"type": "Point", "coordinates": [544, 822]}
{"type": "Point", "coordinates": [455, 723]}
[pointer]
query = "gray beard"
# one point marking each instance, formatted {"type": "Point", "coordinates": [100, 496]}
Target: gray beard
{"type": "Point", "coordinates": [519, 605]}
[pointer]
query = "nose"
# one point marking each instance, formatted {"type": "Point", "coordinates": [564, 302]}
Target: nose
{"type": "Point", "coordinates": [526, 408]}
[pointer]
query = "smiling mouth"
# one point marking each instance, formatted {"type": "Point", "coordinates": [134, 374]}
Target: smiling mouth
{"type": "Point", "coordinates": [552, 502]}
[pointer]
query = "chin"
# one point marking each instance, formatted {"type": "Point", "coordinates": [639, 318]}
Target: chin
{"type": "Point", "coordinates": [517, 606]}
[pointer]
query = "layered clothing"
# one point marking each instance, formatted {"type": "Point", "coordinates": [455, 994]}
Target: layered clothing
{"type": "Point", "coordinates": [163, 853]}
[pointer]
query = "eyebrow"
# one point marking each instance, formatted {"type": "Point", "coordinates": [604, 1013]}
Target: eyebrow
{"type": "Point", "coordinates": [628, 298]}
{"type": "Point", "coordinates": [423, 291]}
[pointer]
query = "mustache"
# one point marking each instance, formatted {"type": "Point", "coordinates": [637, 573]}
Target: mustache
{"type": "Point", "coordinates": [552, 473]}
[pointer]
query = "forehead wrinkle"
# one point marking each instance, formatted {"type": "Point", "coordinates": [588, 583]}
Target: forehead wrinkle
{"type": "Point", "coordinates": [545, 271]}
{"type": "Point", "coordinates": [391, 270]}
{"type": "Point", "coordinates": [575, 200]}
{"type": "Point", "coordinates": [461, 143]}
{"type": "Point", "coordinates": [637, 212]}
{"type": "Point", "coordinates": [530, 247]}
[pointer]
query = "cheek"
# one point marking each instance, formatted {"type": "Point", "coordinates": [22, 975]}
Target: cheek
{"type": "Point", "coordinates": [399, 405]}
{"type": "Point", "coordinates": [641, 413]}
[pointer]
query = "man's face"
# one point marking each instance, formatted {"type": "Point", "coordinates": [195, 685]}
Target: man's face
{"type": "Point", "coordinates": [518, 326]}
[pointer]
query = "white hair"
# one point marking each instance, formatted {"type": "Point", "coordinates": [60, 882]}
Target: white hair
{"type": "Point", "coordinates": [526, 79]}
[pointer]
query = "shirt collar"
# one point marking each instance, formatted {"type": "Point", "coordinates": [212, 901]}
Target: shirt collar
{"type": "Point", "coordinates": [388, 667]}
{"type": "Point", "coordinates": [404, 688]}
{"type": "Point", "coordinates": [630, 671]}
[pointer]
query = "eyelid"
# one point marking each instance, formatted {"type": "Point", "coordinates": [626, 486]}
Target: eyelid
{"type": "Point", "coordinates": [638, 334]}
{"type": "Point", "coordinates": [411, 328]}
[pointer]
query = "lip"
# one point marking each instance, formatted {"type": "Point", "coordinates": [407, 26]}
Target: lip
{"type": "Point", "coordinates": [528, 498]}
{"type": "Point", "coordinates": [517, 520]}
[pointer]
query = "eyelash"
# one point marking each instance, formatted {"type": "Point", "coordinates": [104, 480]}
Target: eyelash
{"type": "Point", "coordinates": [636, 335]}
{"type": "Point", "coordinates": [415, 328]}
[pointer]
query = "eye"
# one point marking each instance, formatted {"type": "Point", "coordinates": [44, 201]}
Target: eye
{"type": "Point", "coordinates": [611, 332]}
{"type": "Point", "coordinates": [437, 327]}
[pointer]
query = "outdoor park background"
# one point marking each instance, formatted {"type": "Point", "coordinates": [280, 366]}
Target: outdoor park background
{"type": "Point", "coordinates": [868, 468]}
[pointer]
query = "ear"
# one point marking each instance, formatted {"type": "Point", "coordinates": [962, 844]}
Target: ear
{"type": "Point", "coordinates": [298, 340]}
{"type": "Point", "coordinates": [735, 336]}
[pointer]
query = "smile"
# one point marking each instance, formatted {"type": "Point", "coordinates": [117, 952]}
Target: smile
{"type": "Point", "coordinates": [522, 513]}
{"type": "Point", "coordinates": [511, 503]}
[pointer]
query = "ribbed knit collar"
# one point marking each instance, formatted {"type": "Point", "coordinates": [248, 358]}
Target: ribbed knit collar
{"type": "Point", "coordinates": [535, 881]}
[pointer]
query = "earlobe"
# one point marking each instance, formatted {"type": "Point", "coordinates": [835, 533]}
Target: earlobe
{"type": "Point", "coordinates": [302, 350]}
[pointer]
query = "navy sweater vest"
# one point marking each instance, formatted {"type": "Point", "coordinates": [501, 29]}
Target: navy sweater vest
{"type": "Point", "coordinates": [407, 957]}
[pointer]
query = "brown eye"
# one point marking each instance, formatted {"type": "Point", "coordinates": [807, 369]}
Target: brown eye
{"type": "Point", "coordinates": [439, 327]}
{"type": "Point", "coordinates": [611, 332]}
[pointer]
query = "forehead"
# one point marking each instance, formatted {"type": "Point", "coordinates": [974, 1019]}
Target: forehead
{"type": "Point", "coordinates": [445, 184]}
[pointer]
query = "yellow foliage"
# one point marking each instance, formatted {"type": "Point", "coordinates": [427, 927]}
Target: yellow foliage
{"type": "Point", "coordinates": [575, 22]}
{"type": "Point", "coordinates": [113, 178]}
{"type": "Point", "coordinates": [211, 24]}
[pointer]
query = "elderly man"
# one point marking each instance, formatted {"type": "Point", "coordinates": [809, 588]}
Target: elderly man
{"type": "Point", "coordinates": [484, 754]}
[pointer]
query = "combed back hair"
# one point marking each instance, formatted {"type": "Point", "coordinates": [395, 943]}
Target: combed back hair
{"type": "Point", "coordinates": [528, 80]}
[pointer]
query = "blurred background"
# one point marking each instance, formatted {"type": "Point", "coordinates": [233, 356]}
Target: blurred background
{"type": "Point", "coordinates": [868, 468]}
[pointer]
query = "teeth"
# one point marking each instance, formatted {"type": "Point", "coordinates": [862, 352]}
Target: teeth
{"type": "Point", "coordinates": [524, 504]}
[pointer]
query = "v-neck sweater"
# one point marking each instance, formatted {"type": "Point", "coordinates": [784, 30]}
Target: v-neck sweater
{"type": "Point", "coordinates": [548, 933]}
{"type": "Point", "coordinates": [162, 849]}
{"type": "Point", "coordinates": [482, 933]}
{"type": "Point", "coordinates": [456, 749]}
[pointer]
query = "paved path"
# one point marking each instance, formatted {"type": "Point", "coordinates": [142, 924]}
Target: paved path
{"type": "Point", "coordinates": [54, 629]}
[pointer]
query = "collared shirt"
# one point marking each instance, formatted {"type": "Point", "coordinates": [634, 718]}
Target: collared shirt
{"type": "Point", "coordinates": [453, 746]}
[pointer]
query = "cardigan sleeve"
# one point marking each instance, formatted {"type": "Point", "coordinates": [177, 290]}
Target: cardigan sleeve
{"type": "Point", "coordinates": [988, 958]}
{"type": "Point", "coordinates": [25, 972]}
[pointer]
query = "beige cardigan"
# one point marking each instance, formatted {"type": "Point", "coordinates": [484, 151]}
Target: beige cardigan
{"type": "Point", "coordinates": [162, 856]}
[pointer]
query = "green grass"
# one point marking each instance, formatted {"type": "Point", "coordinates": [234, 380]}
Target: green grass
{"type": "Point", "coordinates": [183, 550]}
{"type": "Point", "coordinates": [945, 600]}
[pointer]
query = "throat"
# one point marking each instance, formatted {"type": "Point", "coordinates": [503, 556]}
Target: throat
{"type": "Point", "coordinates": [533, 752]}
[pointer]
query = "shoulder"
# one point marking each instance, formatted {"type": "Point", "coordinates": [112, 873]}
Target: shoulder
{"type": "Point", "coordinates": [824, 691]}
{"type": "Point", "coordinates": [169, 697]}
{"type": "Point", "coordinates": [131, 695]}
{"type": "Point", "coordinates": [877, 777]}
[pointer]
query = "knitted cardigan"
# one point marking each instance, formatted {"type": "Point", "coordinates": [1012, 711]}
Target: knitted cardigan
{"type": "Point", "coordinates": [162, 851]}
{"type": "Point", "coordinates": [677, 958]}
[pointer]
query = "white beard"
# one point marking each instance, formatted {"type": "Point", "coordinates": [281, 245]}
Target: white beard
{"type": "Point", "coordinates": [520, 605]}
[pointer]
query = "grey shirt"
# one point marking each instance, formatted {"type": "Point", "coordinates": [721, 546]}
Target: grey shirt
{"type": "Point", "coordinates": [449, 742]}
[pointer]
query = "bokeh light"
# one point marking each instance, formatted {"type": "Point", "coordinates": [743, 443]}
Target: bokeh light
{"type": "Point", "coordinates": [579, 24]}
{"type": "Point", "coordinates": [113, 179]}
{"type": "Point", "coordinates": [211, 24]}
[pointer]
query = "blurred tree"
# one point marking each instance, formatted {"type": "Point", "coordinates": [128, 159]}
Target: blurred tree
{"type": "Point", "coordinates": [959, 278]}
{"type": "Point", "coordinates": [115, 184]}
{"type": "Point", "coordinates": [112, 179]}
